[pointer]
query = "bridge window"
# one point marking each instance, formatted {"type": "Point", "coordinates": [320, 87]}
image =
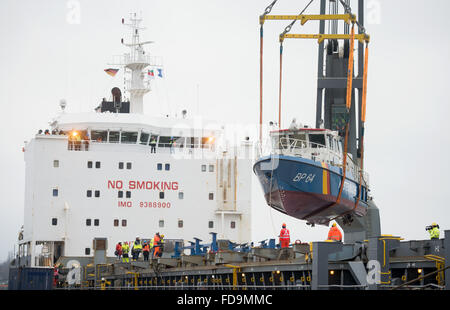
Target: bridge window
{"type": "Point", "coordinates": [144, 138]}
{"type": "Point", "coordinates": [179, 141]}
{"type": "Point", "coordinates": [54, 221]}
{"type": "Point", "coordinates": [207, 142]}
{"type": "Point", "coordinates": [55, 192]}
{"type": "Point", "coordinates": [114, 136]}
{"type": "Point", "coordinates": [180, 223]}
{"type": "Point", "coordinates": [99, 135]}
{"type": "Point", "coordinates": [128, 137]}
{"type": "Point", "coordinates": [192, 142]}
{"type": "Point", "coordinates": [164, 141]}
{"type": "Point", "coordinates": [56, 163]}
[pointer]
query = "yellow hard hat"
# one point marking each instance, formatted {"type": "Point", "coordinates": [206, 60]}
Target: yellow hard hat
{"type": "Point", "coordinates": [334, 225]}
{"type": "Point", "coordinates": [162, 236]}
{"type": "Point", "coordinates": [434, 224]}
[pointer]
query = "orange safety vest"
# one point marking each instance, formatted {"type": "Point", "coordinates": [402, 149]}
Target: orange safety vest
{"type": "Point", "coordinates": [146, 248]}
{"type": "Point", "coordinates": [284, 234]}
{"type": "Point", "coordinates": [335, 234]}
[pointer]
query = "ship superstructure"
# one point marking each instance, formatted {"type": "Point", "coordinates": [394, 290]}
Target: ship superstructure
{"type": "Point", "coordinates": [118, 173]}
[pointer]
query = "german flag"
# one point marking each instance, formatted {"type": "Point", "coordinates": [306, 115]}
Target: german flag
{"type": "Point", "coordinates": [111, 71]}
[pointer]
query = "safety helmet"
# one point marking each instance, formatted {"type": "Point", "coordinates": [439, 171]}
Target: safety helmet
{"type": "Point", "coordinates": [434, 224]}
{"type": "Point", "coordinates": [162, 236]}
{"type": "Point", "coordinates": [284, 225]}
{"type": "Point", "coordinates": [334, 225]}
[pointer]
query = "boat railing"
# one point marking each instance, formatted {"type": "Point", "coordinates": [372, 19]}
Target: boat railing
{"type": "Point", "coordinates": [292, 146]}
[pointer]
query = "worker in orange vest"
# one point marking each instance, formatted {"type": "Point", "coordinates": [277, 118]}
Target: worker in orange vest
{"type": "Point", "coordinates": [285, 238]}
{"type": "Point", "coordinates": [156, 245]}
{"type": "Point", "coordinates": [334, 233]}
{"type": "Point", "coordinates": [146, 250]}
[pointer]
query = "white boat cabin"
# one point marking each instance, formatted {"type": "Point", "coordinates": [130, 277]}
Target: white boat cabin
{"type": "Point", "coordinates": [317, 144]}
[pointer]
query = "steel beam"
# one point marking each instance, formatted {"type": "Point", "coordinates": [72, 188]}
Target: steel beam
{"type": "Point", "coordinates": [321, 250]}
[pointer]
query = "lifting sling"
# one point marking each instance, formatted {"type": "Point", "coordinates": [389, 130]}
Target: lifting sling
{"type": "Point", "coordinates": [279, 94]}
{"type": "Point", "coordinates": [363, 119]}
{"type": "Point", "coordinates": [348, 106]}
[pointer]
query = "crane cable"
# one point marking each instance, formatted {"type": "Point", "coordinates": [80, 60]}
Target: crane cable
{"type": "Point", "coordinates": [261, 21]}
{"type": "Point", "coordinates": [286, 30]}
{"type": "Point", "coordinates": [281, 76]}
{"type": "Point", "coordinates": [261, 37]}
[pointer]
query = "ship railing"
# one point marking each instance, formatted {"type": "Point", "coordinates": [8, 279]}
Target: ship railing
{"type": "Point", "coordinates": [125, 59]}
{"type": "Point", "coordinates": [82, 145]}
{"type": "Point", "coordinates": [165, 147]}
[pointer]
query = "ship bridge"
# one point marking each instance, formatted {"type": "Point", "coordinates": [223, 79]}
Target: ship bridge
{"type": "Point", "coordinates": [165, 133]}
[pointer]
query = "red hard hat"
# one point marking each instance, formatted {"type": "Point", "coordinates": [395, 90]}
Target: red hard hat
{"type": "Point", "coordinates": [284, 225]}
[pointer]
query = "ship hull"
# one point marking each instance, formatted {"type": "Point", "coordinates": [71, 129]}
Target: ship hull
{"type": "Point", "coordinates": [307, 189]}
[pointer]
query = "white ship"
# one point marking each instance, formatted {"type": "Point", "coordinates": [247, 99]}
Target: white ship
{"type": "Point", "coordinates": [113, 184]}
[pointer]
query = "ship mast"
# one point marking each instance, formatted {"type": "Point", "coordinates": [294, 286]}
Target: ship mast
{"type": "Point", "coordinates": [135, 62]}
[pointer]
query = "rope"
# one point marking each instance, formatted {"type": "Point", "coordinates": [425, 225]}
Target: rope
{"type": "Point", "coordinates": [281, 74]}
{"type": "Point", "coordinates": [260, 83]}
{"type": "Point", "coordinates": [261, 21]}
{"type": "Point", "coordinates": [363, 119]}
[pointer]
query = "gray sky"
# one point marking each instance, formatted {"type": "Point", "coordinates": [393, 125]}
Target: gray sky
{"type": "Point", "coordinates": [48, 53]}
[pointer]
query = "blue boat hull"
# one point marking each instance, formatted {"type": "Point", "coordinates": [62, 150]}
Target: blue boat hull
{"type": "Point", "coordinates": [308, 190]}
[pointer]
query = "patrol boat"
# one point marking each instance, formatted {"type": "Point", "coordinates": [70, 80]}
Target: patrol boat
{"type": "Point", "coordinates": [116, 173]}
{"type": "Point", "coordinates": [303, 174]}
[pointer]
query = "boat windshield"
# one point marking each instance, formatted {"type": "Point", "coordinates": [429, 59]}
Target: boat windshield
{"type": "Point", "coordinates": [317, 140]}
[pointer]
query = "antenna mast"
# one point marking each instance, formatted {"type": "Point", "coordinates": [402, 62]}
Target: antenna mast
{"type": "Point", "coordinates": [135, 62]}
